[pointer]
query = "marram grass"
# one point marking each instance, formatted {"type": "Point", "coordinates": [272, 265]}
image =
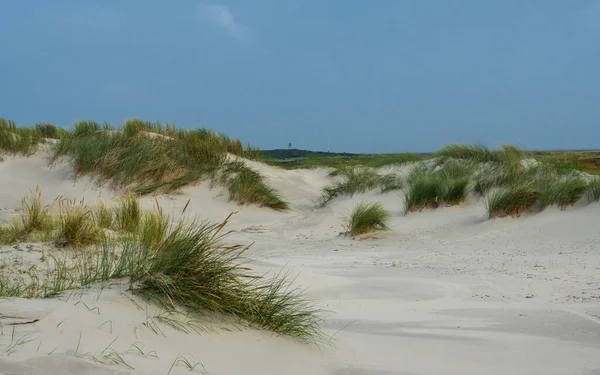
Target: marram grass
{"type": "Point", "coordinates": [593, 190]}
{"type": "Point", "coordinates": [512, 200]}
{"type": "Point", "coordinates": [148, 157]}
{"type": "Point", "coordinates": [432, 189]}
{"type": "Point", "coordinates": [175, 265]}
{"type": "Point", "coordinates": [76, 225]}
{"type": "Point", "coordinates": [357, 180]}
{"type": "Point", "coordinates": [367, 217]}
{"type": "Point", "coordinates": [562, 192]}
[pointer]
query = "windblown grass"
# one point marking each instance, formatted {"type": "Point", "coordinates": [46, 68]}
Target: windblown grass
{"type": "Point", "coordinates": [423, 191]}
{"type": "Point", "coordinates": [17, 140]}
{"type": "Point", "coordinates": [512, 200]}
{"type": "Point", "coordinates": [562, 192]}
{"type": "Point", "coordinates": [247, 186]}
{"type": "Point", "coordinates": [508, 156]}
{"type": "Point", "coordinates": [358, 180]}
{"type": "Point", "coordinates": [76, 225]}
{"type": "Point", "coordinates": [178, 265]}
{"type": "Point", "coordinates": [593, 190]}
{"type": "Point", "coordinates": [103, 215]}
{"type": "Point", "coordinates": [149, 157]}
{"type": "Point", "coordinates": [128, 214]}
{"type": "Point", "coordinates": [35, 216]}
{"type": "Point", "coordinates": [430, 189]}
{"type": "Point", "coordinates": [368, 217]}
{"type": "Point", "coordinates": [47, 130]}
{"type": "Point", "coordinates": [476, 152]}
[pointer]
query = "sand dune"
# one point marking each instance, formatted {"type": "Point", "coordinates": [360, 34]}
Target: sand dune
{"type": "Point", "coordinates": [446, 291]}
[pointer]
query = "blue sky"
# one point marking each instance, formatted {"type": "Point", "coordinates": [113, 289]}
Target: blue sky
{"type": "Point", "coordinates": [369, 76]}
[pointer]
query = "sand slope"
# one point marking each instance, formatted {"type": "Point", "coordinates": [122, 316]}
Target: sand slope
{"type": "Point", "coordinates": [445, 292]}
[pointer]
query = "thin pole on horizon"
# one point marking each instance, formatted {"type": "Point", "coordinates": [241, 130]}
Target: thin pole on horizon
{"type": "Point", "coordinates": [328, 146]}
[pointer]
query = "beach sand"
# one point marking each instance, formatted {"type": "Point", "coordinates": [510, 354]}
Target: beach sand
{"type": "Point", "coordinates": [445, 291]}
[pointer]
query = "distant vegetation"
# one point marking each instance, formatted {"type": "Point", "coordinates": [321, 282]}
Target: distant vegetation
{"type": "Point", "coordinates": [509, 178]}
{"type": "Point", "coordinates": [296, 159]}
{"type": "Point", "coordinates": [175, 263]}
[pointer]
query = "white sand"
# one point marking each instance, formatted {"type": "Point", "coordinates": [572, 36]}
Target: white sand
{"type": "Point", "coordinates": [444, 292]}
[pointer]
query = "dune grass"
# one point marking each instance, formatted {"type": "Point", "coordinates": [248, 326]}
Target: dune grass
{"type": "Point", "coordinates": [427, 189]}
{"type": "Point", "coordinates": [103, 215]}
{"type": "Point", "coordinates": [246, 186]}
{"type": "Point", "coordinates": [14, 139]}
{"type": "Point", "coordinates": [358, 180]}
{"type": "Point", "coordinates": [562, 192]}
{"type": "Point", "coordinates": [149, 157]}
{"type": "Point", "coordinates": [183, 264]}
{"type": "Point", "coordinates": [47, 130]}
{"type": "Point", "coordinates": [476, 152]}
{"type": "Point", "coordinates": [593, 190]}
{"type": "Point", "coordinates": [512, 200]}
{"type": "Point", "coordinates": [76, 225]}
{"type": "Point", "coordinates": [367, 217]}
{"type": "Point", "coordinates": [128, 214]}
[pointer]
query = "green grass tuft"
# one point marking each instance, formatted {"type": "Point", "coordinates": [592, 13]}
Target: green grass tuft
{"type": "Point", "coordinates": [479, 153]}
{"type": "Point", "coordinates": [368, 217]}
{"type": "Point", "coordinates": [512, 200]}
{"type": "Point", "coordinates": [247, 186]}
{"type": "Point", "coordinates": [47, 130]}
{"type": "Point", "coordinates": [103, 215]}
{"type": "Point", "coordinates": [423, 191]}
{"type": "Point", "coordinates": [358, 180]}
{"type": "Point", "coordinates": [562, 192]}
{"type": "Point", "coordinates": [593, 190]}
{"type": "Point", "coordinates": [128, 214]}
{"type": "Point", "coordinates": [76, 225]}
{"type": "Point", "coordinates": [17, 140]}
{"type": "Point", "coordinates": [176, 265]}
{"type": "Point", "coordinates": [430, 189]}
{"type": "Point", "coordinates": [86, 128]}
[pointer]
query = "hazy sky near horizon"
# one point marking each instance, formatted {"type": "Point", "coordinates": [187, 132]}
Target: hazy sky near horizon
{"type": "Point", "coordinates": [368, 76]}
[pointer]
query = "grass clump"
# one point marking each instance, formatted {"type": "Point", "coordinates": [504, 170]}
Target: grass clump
{"type": "Point", "coordinates": [35, 216]}
{"type": "Point", "coordinates": [351, 180]}
{"type": "Point", "coordinates": [47, 130]}
{"type": "Point", "coordinates": [103, 215]}
{"type": "Point", "coordinates": [430, 189]}
{"type": "Point", "coordinates": [76, 225]}
{"type": "Point", "coordinates": [512, 200]}
{"type": "Point", "coordinates": [245, 185]}
{"type": "Point", "coordinates": [423, 191]}
{"type": "Point", "coordinates": [17, 140]}
{"type": "Point", "coordinates": [148, 157]}
{"type": "Point", "coordinates": [562, 192]}
{"type": "Point", "coordinates": [175, 265]}
{"type": "Point", "coordinates": [128, 214]}
{"type": "Point", "coordinates": [390, 182]}
{"type": "Point", "coordinates": [368, 217]}
{"type": "Point", "coordinates": [476, 152]}
{"type": "Point", "coordinates": [358, 180]}
{"type": "Point", "coordinates": [593, 190]}
{"type": "Point", "coordinates": [85, 128]}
